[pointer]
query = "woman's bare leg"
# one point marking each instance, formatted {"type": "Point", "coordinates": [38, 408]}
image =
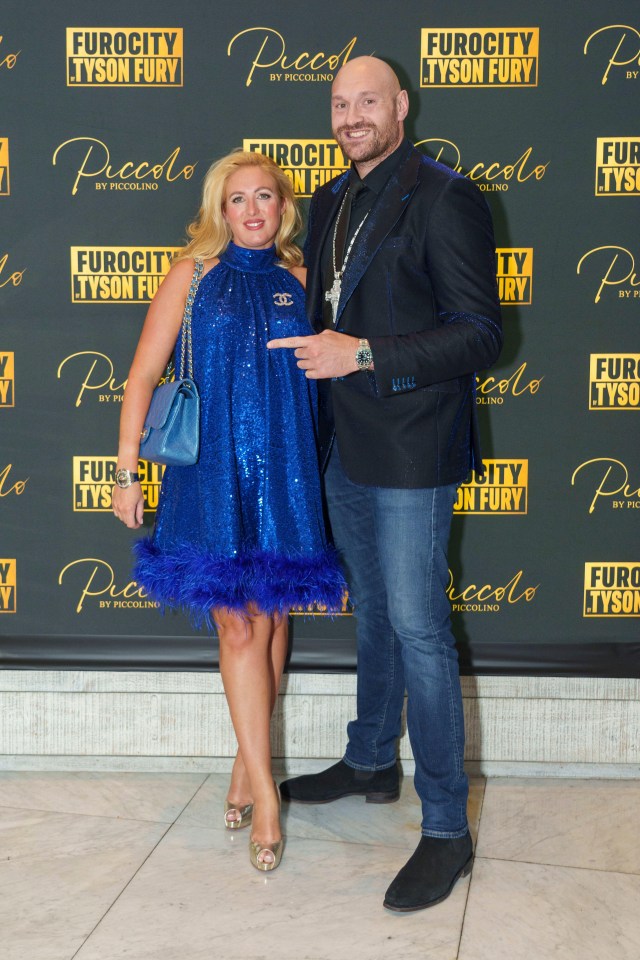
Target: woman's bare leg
{"type": "Point", "coordinates": [247, 675]}
{"type": "Point", "coordinates": [240, 788]}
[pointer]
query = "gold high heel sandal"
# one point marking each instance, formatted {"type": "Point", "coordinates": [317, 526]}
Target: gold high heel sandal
{"type": "Point", "coordinates": [275, 848]}
{"type": "Point", "coordinates": [255, 849]}
{"type": "Point", "coordinates": [243, 818]}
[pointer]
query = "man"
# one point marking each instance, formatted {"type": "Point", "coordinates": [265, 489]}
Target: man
{"type": "Point", "coordinates": [402, 290]}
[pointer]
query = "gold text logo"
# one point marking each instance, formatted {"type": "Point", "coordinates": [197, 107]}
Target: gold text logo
{"type": "Point", "coordinates": [93, 479]}
{"type": "Point", "coordinates": [611, 590]}
{"type": "Point", "coordinates": [14, 279]}
{"type": "Point", "coordinates": [304, 67]}
{"type": "Point", "coordinates": [614, 381]}
{"type": "Point", "coordinates": [514, 267]}
{"type": "Point", "coordinates": [118, 274]}
{"type": "Point", "coordinates": [625, 41]}
{"type": "Point", "coordinates": [7, 379]}
{"type": "Point", "coordinates": [487, 597]}
{"type": "Point", "coordinates": [620, 274]}
{"type": "Point", "coordinates": [96, 162]}
{"type": "Point", "coordinates": [124, 57]}
{"type": "Point", "coordinates": [8, 586]}
{"type": "Point", "coordinates": [307, 163]}
{"type": "Point", "coordinates": [618, 167]}
{"type": "Point", "coordinates": [502, 490]}
{"type": "Point", "coordinates": [492, 391]}
{"type": "Point", "coordinates": [319, 610]}
{"type": "Point", "coordinates": [496, 57]}
{"type": "Point", "coordinates": [612, 479]}
{"type": "Point", "coordinates": [8, 60]}
{"type": "Point", "coordinates": [493, 176]}
{"type": "Point", "coordinates": [5, 187]}
{"type": "Point", "coordinates": [9, 485]}
{"type": "Point", "coordinates": [97, 372]}
{"type": "Point", "coordinates": [98, 579]}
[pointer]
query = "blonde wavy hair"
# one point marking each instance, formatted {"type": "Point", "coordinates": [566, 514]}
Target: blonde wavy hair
{"type": "Point", "coordinates": [210, 233]}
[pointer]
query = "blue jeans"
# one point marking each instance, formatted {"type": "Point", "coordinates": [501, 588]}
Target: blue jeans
{"type": "Point", "coordinates": [393, 545]}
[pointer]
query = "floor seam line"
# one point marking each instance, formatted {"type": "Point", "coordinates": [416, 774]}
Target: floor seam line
{"type": "Point", "coordinates": [563, 866]}
{"type": "Point", "coordinates": [170, 826]}
{"type": "Point", "coordinates": [466, 901]}
{"type": "Point", "coordinates": [76, 813]}
{"type": "Point", "coordinates": [125, 887]}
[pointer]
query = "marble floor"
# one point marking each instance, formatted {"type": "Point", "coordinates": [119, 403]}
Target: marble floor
{"type": "Point", "coordinates": [137, 866]}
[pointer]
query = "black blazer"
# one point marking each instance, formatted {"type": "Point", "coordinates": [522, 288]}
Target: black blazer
{"type": "Point", "coordinates": [420, 285]}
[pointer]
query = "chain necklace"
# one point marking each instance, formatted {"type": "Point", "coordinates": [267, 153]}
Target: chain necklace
{"type": "Point", "coordinates": [333, 295]}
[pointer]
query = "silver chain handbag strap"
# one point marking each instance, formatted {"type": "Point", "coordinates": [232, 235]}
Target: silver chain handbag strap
{"type": "Point", "coordinates": [186, 348]}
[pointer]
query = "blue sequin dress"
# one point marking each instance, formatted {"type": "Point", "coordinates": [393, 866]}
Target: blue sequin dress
{"type": "Point", "coordinates": [245, 524]}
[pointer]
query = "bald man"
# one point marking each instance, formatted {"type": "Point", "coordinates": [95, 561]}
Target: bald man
{"type": "Point", "coordinates": [402, 295]}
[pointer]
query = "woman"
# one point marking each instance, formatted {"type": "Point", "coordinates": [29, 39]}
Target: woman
{"type": "Point", "coordinates": [239, 536]}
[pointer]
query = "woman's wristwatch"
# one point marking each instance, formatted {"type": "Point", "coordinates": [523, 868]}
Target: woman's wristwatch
{"type": "Point", "coordinates": [124, 478]}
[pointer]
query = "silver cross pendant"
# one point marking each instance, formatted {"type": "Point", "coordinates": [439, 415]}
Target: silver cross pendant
{"type": "Point", "coordinates": [333, 297]}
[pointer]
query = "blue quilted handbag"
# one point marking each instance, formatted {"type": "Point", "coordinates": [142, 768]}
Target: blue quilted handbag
{"type": "Point", "coordinates": [171, 432]}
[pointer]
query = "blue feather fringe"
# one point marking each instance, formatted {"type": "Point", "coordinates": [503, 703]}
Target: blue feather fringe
{"type": "Point", "coordinates": [198, 582]}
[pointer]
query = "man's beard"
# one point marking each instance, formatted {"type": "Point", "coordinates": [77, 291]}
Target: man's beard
{"type": "Point", "coordinates": [377, 145]}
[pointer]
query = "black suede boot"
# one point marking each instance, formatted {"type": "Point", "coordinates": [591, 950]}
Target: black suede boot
{"type": "Point", "coordinates": [341, 780]}
{"type": "Point", "coordinates": [429, 876]}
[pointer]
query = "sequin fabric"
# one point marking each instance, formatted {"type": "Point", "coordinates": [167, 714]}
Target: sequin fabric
{"type": "Point", "coordinates": [245, 525]}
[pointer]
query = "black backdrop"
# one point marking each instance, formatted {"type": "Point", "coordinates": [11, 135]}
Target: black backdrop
{"type": "Point", "coordinates": [110, 116]}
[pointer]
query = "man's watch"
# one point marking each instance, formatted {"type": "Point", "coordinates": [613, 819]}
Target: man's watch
{"type": "Point", "coordinates": [124, 478]}
{"type": "Point", "coordinates": [364, 356]}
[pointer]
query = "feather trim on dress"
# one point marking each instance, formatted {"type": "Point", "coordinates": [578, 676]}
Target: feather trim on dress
{"type": "Point", "coordinates": [199, 582]}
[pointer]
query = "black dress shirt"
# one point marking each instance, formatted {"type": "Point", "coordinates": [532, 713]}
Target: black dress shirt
{"type": "Point", "coordinates": [365, 191]}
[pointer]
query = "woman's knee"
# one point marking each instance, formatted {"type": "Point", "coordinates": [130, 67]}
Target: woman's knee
{"type": "Point", "coordinates": [236, 633]}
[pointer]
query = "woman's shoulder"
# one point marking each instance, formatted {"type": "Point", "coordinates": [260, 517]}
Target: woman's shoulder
{"type": "Point", "coordinates": [181, 272]}
{"type": "Point", "coordinates": [177, 280]}
{"type": "Point", "coordinates": [210, 264]}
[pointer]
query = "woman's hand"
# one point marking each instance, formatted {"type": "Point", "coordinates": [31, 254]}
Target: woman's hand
{"type": "Point", "coordinates": [128, 504]}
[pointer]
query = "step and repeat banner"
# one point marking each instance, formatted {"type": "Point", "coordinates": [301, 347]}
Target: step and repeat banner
{"type": "Point", "coordinates": [111, 114]}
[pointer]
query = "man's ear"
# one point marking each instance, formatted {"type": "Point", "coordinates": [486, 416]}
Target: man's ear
{"type": "Point", "coordinates": [402, 104]}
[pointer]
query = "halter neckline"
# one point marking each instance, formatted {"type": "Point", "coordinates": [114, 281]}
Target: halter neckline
{"type": "Point", "coordinates": [243, 258]}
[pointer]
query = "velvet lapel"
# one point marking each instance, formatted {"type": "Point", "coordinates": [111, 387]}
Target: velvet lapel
{"type": "Point", "coordinates": [384, 214]}
{"type": "Point", "coordinates": [323, 221]}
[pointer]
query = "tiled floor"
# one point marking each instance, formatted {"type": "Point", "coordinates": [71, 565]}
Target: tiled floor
{"type": "Point", "coordinates": [137, 866]}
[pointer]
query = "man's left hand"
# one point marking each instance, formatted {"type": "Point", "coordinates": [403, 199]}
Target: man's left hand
{"type": "Point", "coordinates": [324, 355]}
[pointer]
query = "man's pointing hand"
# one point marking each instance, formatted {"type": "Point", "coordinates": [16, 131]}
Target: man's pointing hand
{"type": "Point", "coordinates": [324, 355]}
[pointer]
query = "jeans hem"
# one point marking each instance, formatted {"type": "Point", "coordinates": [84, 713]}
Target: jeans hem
{"type": "Point", "coordinates": [446, 835]}
{"type": "Point", "coordinates": [374, 769]}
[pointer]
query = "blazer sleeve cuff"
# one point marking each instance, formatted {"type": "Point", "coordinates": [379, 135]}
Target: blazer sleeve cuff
{"type": "Point", "coordinates": [391, 379]}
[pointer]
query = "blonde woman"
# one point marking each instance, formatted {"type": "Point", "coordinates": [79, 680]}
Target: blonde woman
{"type": "Point", "coordinates": [239, 537]}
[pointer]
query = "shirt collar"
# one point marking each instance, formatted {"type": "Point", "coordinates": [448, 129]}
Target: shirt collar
{"type": "Point", "coordinates": [376, 180]}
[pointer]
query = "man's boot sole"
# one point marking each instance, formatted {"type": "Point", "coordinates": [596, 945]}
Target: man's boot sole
{"type": "Point", "coordinates": [464, 872]}
{"type": "Point", "coordinates": [377, 797]}
{"type": "Point", "coordinates": [382, 797]}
